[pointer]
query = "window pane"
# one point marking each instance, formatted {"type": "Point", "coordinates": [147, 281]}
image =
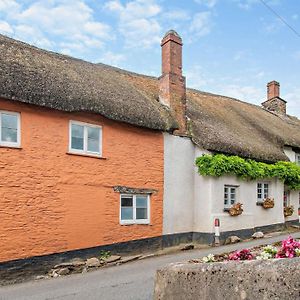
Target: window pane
{"type": "Point", "coordinates": [93, 144]}
{"type": "Point", "coordinates": [9, 121]}
{"type": "Point", "coordinates": [126, 213]}
{"type": "Point", "coordinates": [141, 213]}
{"type": "Point", "coordinates": [9, 135]}
{"type": "Point", "coordinates": [259, 185]}
{"type": "Point", "coordinates": [232, 190]}
{"type": "Point", "coordinates": [77, 143]}
{"type": "Point", "coordinates": [141, 201]}
{"type": "Point", "coordinates": [126, 201]}
{"type": "Point", "coordinates": [77, 137]}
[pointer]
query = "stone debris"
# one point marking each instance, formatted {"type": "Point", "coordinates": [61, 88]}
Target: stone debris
{"type": "Point", "coordinates": [111, 259]}
{"type": "Point", "coordinates": [63, 271]}
{"type": "Point", "coordinates": [232, 240]}
{"type": "Point", "coordinates": [72, 264]}
{"type": "Point", "coordinates": [93, 262]}
{"type": "Point", "coordinates": [129, 258]}
{"type": "Point", "coordinates": [258, 235]}
{"type": "Point", "coordinates": [187, 247]}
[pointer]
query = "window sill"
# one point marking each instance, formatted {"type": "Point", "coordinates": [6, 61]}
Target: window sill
{"type": "Point", "coordinates": [259, 203]}
{"type": "Point", "coordinates": [87, 155]}
{"type": "Point", "coordinates": [10, 147]}
{"type": "Point", "coordinates": [129, 224]}
{"type": "Point", "coordinates": [226, 209]}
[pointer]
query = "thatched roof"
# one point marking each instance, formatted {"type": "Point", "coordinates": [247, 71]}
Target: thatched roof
{"type": "Point", "coordinates": [227, 125]}
{"type": "Point", "coordinates": [43, 78]}
{"type": "Point", "coordinates": [216, 123]}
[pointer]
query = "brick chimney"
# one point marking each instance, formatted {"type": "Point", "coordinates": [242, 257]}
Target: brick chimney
{"type": "Point", "coordinates": [274, 103]}
{"type": "Point", "coordinates": [172, 91]}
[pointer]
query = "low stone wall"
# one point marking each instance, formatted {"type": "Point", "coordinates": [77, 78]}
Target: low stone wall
{"type": "Point", "coordinates": [269, 279]}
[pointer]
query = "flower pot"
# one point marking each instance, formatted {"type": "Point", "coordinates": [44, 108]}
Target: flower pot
{"type": "Point", "coordinates": [236, 210]}
{"type": "Point", "coordinates": [268, 203]}
{"type": "Point", "coordinates": [288, 211]}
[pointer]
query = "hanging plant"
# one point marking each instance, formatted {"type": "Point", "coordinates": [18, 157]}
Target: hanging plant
{"type": "Point", "coordinates": [288, 211]}
{"type": "Point", "coordinates": [268, 203]}
{"type": "Point", "coordinates": [236, 209]}
{"type": "Point", "coordinates": [248, 169]}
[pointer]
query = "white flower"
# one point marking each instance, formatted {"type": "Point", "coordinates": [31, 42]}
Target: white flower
{"type": "Point", "coordinates": [209, 258]}
{"type": "Point", "coordinates": [297, 251]}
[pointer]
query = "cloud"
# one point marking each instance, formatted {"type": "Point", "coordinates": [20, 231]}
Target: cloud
{"type": "Point", "coordinates": [55, 24]}
{"type": "Point", "coordinates": [248, 4]}
{"type": "Point", "coordinates": [201, 24]}
{"type": "Point", "coordinates": [208, 3]}
{"type": "Point", "coordinates": [177, 15]}
{"type": "Point", "coordinates": [5, 28]}
{"type": "Point", "coordinates": [113, 59]}
{"type": "Point", "coordinates": [137, 22]}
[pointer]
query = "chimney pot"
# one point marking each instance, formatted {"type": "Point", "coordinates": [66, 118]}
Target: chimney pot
{"type": "Point", "coordinates": [273, 89]}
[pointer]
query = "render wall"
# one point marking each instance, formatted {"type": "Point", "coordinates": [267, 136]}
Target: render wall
{"type": "Point", "coordinates": [192, 202]}
{"type": "Point", "coordinates": [178, 184]}
{"type": "Point", "coordinates": [51, 201]}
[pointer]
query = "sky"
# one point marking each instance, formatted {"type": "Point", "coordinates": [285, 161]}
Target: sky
{"type": "Point", "coordinates": [231, 47]}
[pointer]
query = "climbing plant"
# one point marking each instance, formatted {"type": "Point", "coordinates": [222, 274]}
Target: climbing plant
{"type": "Point", "coordinates": [248, 169]}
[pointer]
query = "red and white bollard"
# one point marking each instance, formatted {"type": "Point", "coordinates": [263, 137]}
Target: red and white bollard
{"type": "Point", "coordinates": [217, 232]}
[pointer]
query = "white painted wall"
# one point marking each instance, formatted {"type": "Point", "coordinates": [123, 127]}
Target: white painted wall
{"type": "Point", "coordinates": [192, 202]}
{"type": "Point", "coordinates": [290, 153]}
{"type": "Point", "coordinates": [178, 184]}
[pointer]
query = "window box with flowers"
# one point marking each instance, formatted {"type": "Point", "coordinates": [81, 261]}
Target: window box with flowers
{"type": "Point", "coordinates": [288, 210]}
{"type": "Point", "coordinates": [268, 203]}
{"type": "Point", "coordinates": [236, 209]}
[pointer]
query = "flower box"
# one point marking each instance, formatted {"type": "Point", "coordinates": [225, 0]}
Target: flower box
{"type": "Point", "coordinates": [268, 203]}
{"type": "Point", "coordinates": [288, 211]}
{"type": "Point", "coordinates": [236, 210]}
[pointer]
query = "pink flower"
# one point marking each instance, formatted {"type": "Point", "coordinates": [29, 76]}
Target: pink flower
{"type": "Point", "coordinates": [288, 248]}
{"type": "Point", "coordinates": [241, 255]}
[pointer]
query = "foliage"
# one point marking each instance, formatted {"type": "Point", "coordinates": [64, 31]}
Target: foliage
{"type": "Point", "coordinates": [267, 253]}
{"type": "Point", "coordinates": [248, 169]}
{"type": "Point", "coordinates": [104, 254]}
{"type": "Point", "coordinates": [290, 248]}
{"type": "Point", "coordinates": [244, 254]}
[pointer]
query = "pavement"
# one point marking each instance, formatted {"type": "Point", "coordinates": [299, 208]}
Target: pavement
{"type": "Point", "coordinates": [132, 281]}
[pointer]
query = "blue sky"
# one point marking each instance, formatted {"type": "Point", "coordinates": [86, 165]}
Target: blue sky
{"type": "Point", "coordinates": [231, 47]}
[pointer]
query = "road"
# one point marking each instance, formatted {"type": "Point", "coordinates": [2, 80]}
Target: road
{"type": "Point", "coordinates": [132, 281]}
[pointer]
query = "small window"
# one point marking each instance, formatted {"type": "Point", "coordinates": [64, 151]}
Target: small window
{"type": "Point", "coordinates": [298, 159]}
{"type": "Point", "coordinates": [9, 129]}
{"type": "Point", "coordinates": [85, 138]}
{"type": "Point", "coordinates": [263, 190]}
{"type": "Point", "coordinates": [230, 196]}
{"type": "Point", "coordinates": [286, 198]}
{"type": "Point", "coordinates": [134, 209]}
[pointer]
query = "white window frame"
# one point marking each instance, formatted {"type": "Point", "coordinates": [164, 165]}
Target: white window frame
{"type": "Point", "coordinates": [229, 186]}
{"type": "Point", "coordinates": [263, 183]}
{"type": "Point", "coordinates": [134, 220]}
{"type": "Point", "coordinates": [85, 139]}
{"type": "Point", "coordinates": [11, 144]}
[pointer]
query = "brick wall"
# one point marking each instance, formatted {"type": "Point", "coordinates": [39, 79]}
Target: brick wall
{"type": "Point", "coordinates": [51, 201]}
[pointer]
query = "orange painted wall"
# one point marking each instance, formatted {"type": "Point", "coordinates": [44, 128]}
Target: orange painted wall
{"type": "Point", "coordinates": [51, 201]}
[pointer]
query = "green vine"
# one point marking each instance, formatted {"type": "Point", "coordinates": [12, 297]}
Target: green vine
{"type": "Point", "coordinates": [248, 169]}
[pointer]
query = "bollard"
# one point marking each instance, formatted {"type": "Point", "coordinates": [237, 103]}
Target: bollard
{"type": "Point", "coordinates": [217, 232]}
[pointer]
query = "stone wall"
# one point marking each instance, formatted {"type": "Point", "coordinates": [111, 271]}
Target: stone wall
{"type": "Point", "coordinates": [272, 279]}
